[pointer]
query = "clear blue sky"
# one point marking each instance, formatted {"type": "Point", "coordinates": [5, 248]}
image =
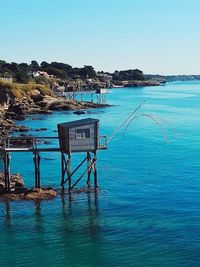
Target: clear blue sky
{"type": "Point", "coordinates": [156, 36]}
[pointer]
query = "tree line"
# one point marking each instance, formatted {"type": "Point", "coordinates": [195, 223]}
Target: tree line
{"type": "Point", "coordinates": [22, 72]}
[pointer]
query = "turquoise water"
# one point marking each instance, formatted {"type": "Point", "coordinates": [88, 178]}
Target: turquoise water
{"type": "Point", "coordinates": [147, 211]}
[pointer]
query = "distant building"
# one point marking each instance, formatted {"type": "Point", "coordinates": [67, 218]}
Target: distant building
{"type": "Point", "coordinates": [125, 82]}
{"type": "Point", "coordinates": [40, 73]}
{"type": "Point", "coordinates": [104, 77]}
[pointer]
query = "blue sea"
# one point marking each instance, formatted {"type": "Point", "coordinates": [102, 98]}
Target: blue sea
{"type": "Point", "coordinates": [147, 209]}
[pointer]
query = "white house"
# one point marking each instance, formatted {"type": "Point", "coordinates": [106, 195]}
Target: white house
{"type": "Point", "coordinates": [40, 73]}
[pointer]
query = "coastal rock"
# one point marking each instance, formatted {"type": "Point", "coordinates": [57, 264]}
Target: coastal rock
{"type": "Point", "coordinates": [14, 116]}
{"type": "Point", "coordinates": [21, 193]}
{"type": "Point", "coordinates": [136, 83]}
{"type": "Point", "coordinates": [59, 105]}
{"type": "Point", "coordinates": [41, 129]}
{"type": "Point", "coordinates": [79, 112]}
{"type": "Point", "coordinates": [6, 96]}
{"type": "Point", "coordinates": [18, 108]}
{"type": "Point", "coordinates": [22, 107]}
{"type": "Point", "coordinates": [12, 196]}
{"type": "Point", "coordinates": [20, 128]}
{"type": "Point", "coordinates": [42, 103]}
{"type": "Point", "coordinates": [37, 98]}
{"type": "Point", "coordinates": [40, 194]}
{"type": "Point", "coordinates": [5, 125]}
{"type": "Point", "coordinates": [73, 105]}
{"type": "Point", "coordinates": [16, 181]}
{"type": "Point", "coordinates": [44, 111]}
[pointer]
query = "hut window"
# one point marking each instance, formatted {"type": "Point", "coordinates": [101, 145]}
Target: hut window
{"type": "Point", "coordinates": [82, 133]}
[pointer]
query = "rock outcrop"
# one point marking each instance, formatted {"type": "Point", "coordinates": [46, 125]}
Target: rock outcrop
{"type": "Point", "coordinates": [37, 104]}
{"type": "Point", "coordinates": [32, 194]}
{"type": "Point", "coordinates": [40, 194]}
{"type": "Point", "coordinates": [15, 179]}
{"type": "Point", "coordinates": [18, 191]}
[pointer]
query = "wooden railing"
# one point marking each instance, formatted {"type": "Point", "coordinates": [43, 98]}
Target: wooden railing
{"type": "Point", "coordinates": [32, 143]}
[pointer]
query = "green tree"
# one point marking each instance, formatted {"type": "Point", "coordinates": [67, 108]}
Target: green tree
{"type": "Point", "coordinates": [87, 72]}
{"type": "Point", "coordinates": [44, 65]}
{"type": "Point", "coordinates": [34, 65]}
{"type": "Point", "coordinates": [21, 77]}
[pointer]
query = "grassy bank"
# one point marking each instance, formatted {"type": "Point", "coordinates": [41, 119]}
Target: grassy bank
{"type": "Point", "coordinates": [19, 90]}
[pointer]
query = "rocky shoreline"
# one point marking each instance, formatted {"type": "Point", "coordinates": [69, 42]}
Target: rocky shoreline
{"type": "Point", "coordinates": [20, 192]}
{"type": "Point", "coordinates": [143, 83]}
{"type": "Point", "coordinates": [18, 109]}
{"type": "Point", "coordinates": [31, 194]}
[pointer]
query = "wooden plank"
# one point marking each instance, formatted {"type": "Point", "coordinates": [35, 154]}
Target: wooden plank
{"type": "Point", "coordinates": [83, 142]}
{"type": "Point", "coordinates": [23, 149]}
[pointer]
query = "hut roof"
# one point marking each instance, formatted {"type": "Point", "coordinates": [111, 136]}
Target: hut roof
{"type": "Point", "coordinates": [76, 123]}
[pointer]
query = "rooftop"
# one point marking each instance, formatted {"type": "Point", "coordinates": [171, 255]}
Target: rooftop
{"type": "Point", "coordinates": [79, 122]}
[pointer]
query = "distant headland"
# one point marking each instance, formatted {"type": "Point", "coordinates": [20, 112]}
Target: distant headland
{"type": "Point", "coordinates": [56, 74]}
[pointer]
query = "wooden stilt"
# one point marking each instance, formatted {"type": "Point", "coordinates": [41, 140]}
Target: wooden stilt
{"type": "Point", "coordinates": [36, 159]}
{"type": "Point", "coordinates": [62, 169]}
{"type": "Point", "coordinates": [95, 171]}
{"type": "Point", "coordinates": [39, 170]}
{"type": "Point", "coordinates": [69, 173]}
{"type": "Point", "coordinates": [7, 170]}
{"type": "Point", "coordinates": [89, 169]}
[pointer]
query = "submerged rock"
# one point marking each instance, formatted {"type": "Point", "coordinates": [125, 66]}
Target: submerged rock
{"type": "Point", "coordinates": [19, 192]}
{"type": "Point", "coordinates": [64, 104]}
{"type": "Point", "coordinates": [40, 194]}
{"type": "Point", "coordinates": [31, 194]}
{"type": "Point", "coordinates": [41, 129]}
{"type": "Point", "coordinates": [79, 112]}
{"type": "Point", "coordinates": [20, 128]}
{"type": "Point", "coordinates": [86, 190]}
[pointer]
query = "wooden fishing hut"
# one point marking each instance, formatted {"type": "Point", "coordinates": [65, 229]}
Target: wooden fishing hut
{"type": "Point", "coordinates": [101, 95]}
{"type": "Point", "coordinates": [81, 136]}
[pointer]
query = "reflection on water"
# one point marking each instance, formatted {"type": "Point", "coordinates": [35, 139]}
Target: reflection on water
{"type": "Point", "coordinates": [8, 214]}
{"type": "Point", "coordinates": [90, 203]}
{"type": "Point", "coordinates": [74, 224]}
